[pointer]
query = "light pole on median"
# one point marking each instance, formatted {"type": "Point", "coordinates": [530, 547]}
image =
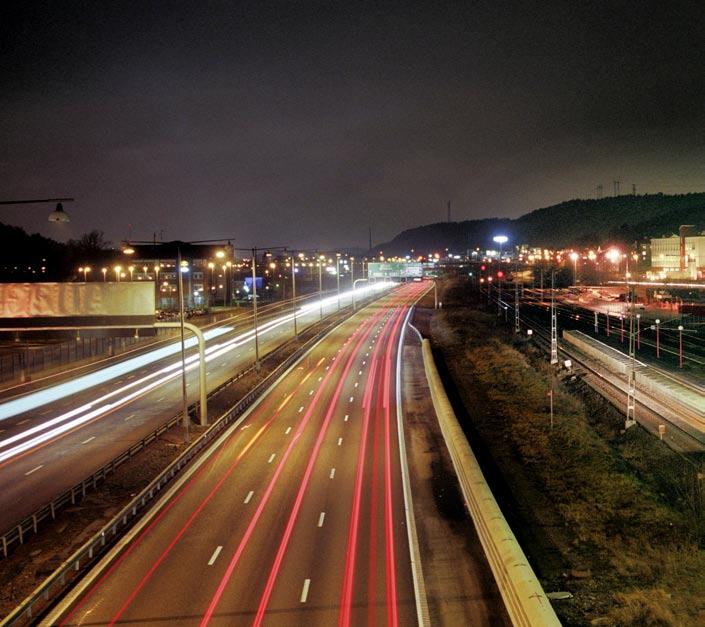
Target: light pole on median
{"type": "Point", "coordinates": [680, 345]}
{"type": "Point", "coordinates": [184, 398]}
{"type": "Point", "coordinates": [337, 275]}
{"type": "Point", "coordinates": [254, 305]}
{"type": "Point", "coordinates": [658, 349]}
{"type": "Point", "coordinates": [353, 290]}
{"type": "Point", "coordinates": [293, 292]}
{"type": "Point", "coordinates": [320, 284]}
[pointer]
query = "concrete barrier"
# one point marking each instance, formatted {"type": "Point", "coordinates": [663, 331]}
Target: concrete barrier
{"type": "Point", "coordinates": [523, 596]}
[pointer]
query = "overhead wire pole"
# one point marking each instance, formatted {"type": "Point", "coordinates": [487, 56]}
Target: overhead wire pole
{"type": "Point", "coordinates": [631, 390]}
{"type": "Point", "coordinates": [517, 328]}
{"type": "Point", "coordinates": [554, 324]}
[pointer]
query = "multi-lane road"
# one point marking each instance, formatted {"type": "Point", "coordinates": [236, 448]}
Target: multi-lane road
{"type": "Point", "coordinates": [52, 438]}
{"type": "Point", "coordinates": [297, 514]}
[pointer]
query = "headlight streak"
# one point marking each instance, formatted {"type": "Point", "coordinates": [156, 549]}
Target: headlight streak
{"type": "Point", "coordinates": [69, 420]}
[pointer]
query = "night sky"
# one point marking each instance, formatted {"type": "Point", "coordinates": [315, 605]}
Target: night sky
{"type": "Point", "coordinates": [301, 123]}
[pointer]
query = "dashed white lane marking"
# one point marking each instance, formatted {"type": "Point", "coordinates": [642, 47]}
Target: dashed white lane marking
{"type": "Point", "coordinates": [46, 411]}
{"type": "Point", "coordinates": [160, 399]}
{"type": "Point", "coordinates": [357, 383]}
{"type": "Point", "coordinates": [21, 422]}
{"type": "Point", "coordinates": [364, 361]}
{"type": "Point", "coordinates": [332, 473]}
{"type": "Point", "coordinates": [245, 427]}
{"type": "Point", "coordinates": [249, 496]}
{"type": "Point", "coordinates": [310, 393]}
{"type": "Point", "coordinates": [359, 372]}
{"type": "Point", "coordinates": [288, 431]}
{"type": "Point", "coordinates": [271, 458]}
{"type": "Point", "coordinates": [352, 398]}
{"type": "Point", "coordinates": [320, 378]}
{"type": "Point", "coordinates": [215, 555]}
{"type": "Point", "coordinates": [207, 373]}
{"type": "Point", "coordinates": [366, 355]}
{"type": "Point", "coordinates": [346, 417]}
{"type": "Point", "coordinates": [327, 367]}
{"type": "Point", "coordinates": [340, 441]}
{"type": "Point", "coordinates": [130, 417]}
{"type": "Point", "coordinates": [88, 440]}
{"type": "Point", "coordinates": [321, 518]}
{"type": "Point", "coordinates": [301, 408]}
{"type": "Point", "coordinates": [304, 590]}
{"type": "Point", "coordinates": [29, 472]}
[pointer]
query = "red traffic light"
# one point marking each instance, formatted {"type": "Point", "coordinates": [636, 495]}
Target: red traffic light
{"type": "Point", "coordinates": [483, 268]}
{"type": "Point", "coordinates": [500, 274]}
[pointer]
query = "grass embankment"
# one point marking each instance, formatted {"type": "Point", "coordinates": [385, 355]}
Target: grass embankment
{"type": "Point", "coordinates": [613, 517]}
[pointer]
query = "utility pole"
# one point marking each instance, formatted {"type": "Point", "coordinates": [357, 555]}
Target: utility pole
{"type": "Point", "coordinates": [554, 324]}
{"type": "Point", "coordinates": [517, 329]}
{"type": "Point", "coordinates": [631, 394]}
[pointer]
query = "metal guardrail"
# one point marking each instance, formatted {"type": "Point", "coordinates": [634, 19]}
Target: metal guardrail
{"type": "Point", "coordinates": [58, 581]}
{"type": "Point", "coordinates": [524, 598]}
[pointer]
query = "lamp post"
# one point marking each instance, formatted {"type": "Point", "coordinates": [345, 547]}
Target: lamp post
{"type": "Point", "coordinates": [117, 270]}
{"type": "Point", "coordinates": [104, 271]}
{"type": "Point", "coordinates": [638, 331]}
{"type": "Point", "coordinates": [337, 275]}
{"type": "Point", "coordinates": [574, 256]}
{"type": "Point", "coordinates": [320, 285]}
{"type": "Point", "coordinates": [293, 292]}
{"type": "Point", "coordinates": [131, 269]}
{"type": "Point", "coordinates": [85, 270]}
{"type": "Point", "coordinates": [680, 345]}
{"type": "Point", "coordinates": [658, 349]}
{"type": "Point", "coordinates": [500, 239]}
{"type": "Point", "coordinates": [254, 305]}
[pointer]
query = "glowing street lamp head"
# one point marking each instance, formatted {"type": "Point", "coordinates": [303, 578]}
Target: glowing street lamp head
{"type": "Point", "coordinates": [500, 239]}
{"type": "Point", "coordinates": [574, 256]}
{"type": "Point", "coordinates": [613, 255]}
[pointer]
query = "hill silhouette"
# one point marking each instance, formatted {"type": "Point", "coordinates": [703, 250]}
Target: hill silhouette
{"type": "Point", "coordinates": [593, 222]}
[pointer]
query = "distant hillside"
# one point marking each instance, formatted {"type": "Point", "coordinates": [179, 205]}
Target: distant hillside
{"type": "Point", "coordinates": [575, 222]}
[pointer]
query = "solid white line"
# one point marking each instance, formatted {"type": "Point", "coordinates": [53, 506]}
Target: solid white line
{"type": "Point", "coordinates": [249, 496]}
{"type": "Point", "coordinates": [332, 473]}
{"type": "Point", "coordinates": [340, 441]}
{"type": "Point", "coordinates": [321, 518]}
{"type": "Point", "coordinates": [214, 557]}
{"type": "Point", "coordinates": [304, 591]}
{"type": "Point", "coordinates": [29, 472]}
{"type": "Point", "coordinates": [271, 458]}
{"type": "Point", "coordinates": [288, 431]}
{"type": "Point", "coordinates": [88, 440]}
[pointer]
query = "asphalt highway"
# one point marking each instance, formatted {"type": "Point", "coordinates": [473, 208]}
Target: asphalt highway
{"type": "Point", "coordinates": [295, 517]}
{"type": "Point", "coordinates": [52, 438]}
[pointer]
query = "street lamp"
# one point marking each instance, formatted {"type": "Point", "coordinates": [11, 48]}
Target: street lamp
{"type": "Point", "coordinates": [293, 292]}
{"type": "Point", "coordinates": [321, 258]}
{"type": "Point", "coordinates": [658, 350]}
{"type": "Point", "coordinates": [85, 270]}
{"type": "Point", "coordinates": [58, 215]}
{"type": "Point", "coordinates": [104, 271]}
{"type": "Point", "coordinates": [337, 275]}
{"type": "Point", "coordinates": [117, 270]}
{"type": "Point", "coordinates": [130, 269]}
{"type": "Point", "coordinates": [500, 239]}
{"type": "Point", "coordinates": [574, 256]}
{"type": "Point", "coordinates": [638, 331]}
{"type": "Point", "coordinates": [680, 345]}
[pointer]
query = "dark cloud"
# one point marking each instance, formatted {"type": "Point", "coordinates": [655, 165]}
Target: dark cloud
{"type": "Point", "coordinates": [303, 123]}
